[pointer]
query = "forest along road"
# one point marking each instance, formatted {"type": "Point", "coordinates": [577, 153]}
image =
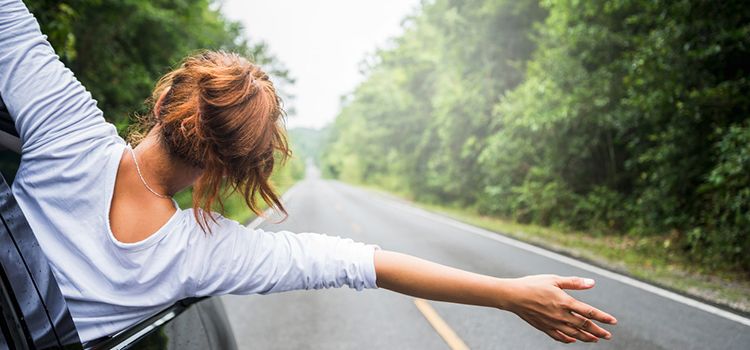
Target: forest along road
{"type": "Point", "coordinates": [649, 318]}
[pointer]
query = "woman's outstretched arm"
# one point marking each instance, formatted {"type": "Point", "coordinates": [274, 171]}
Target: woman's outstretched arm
{"type": "Point", "coordinates": [539, 300]}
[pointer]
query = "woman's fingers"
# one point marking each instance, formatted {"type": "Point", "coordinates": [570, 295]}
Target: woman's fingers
{"type": "Point", "coordinates": [556, 335]}
{"type": "Point", "coordinates": [577, 333]}
{"type": "Point", "coordinates": [587, 325]}
{"type": "Point", "coordinates": [561, 317]}
{"type": "Point", "coordinates": [591, 312]}
{"type": "Point", "coordinates": [575, 283]}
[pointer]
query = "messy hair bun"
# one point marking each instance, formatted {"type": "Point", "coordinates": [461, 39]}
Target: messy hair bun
{"type": "Point", "coordinates": [222, 114]}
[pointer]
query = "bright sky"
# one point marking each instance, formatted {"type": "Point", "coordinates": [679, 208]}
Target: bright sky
{"type": "Point", "coordinates": [322, 43]}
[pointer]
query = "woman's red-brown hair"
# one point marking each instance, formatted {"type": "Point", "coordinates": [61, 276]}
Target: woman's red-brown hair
{"type": "Point", "coordinates": [221, 113]}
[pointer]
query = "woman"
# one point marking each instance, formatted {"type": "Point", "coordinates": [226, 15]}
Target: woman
{"type": "Point", "coordinates": [120, 248]}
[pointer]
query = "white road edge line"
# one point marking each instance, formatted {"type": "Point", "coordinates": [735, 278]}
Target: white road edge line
{"type": "Point", "coordinates": [570, 261]}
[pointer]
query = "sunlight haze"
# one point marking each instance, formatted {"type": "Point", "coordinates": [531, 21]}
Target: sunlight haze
{"type": "Point", "coordinates": [322, 44]}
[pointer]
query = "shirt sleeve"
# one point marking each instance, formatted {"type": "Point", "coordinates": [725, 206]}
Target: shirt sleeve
{"type": "Point", "coordinates": [244, 261]}
{"type": "Point", "coordinates": [44, 98]}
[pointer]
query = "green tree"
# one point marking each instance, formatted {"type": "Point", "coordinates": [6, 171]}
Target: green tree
{"type": "Point", "coordinates": [617, 116]}
{"type": "Point", "coordinates": [118, 49]}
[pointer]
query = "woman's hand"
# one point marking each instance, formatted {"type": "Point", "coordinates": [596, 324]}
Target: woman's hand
{"type": "Point", "coordinates": [541, 301]}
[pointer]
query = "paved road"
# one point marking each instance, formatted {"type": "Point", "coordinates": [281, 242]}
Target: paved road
{"type": "Point", "coordinates": [379, 319]}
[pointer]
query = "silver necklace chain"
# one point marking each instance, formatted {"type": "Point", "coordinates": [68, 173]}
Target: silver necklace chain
{"type": "Point", "coordinates": [137, 168]}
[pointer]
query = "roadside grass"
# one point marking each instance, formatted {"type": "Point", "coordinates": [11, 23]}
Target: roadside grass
{"type": "Point", "coordinates": [652, 259]}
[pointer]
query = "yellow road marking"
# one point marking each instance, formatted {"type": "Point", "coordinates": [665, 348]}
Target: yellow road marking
{"type": "Point", "coordinates": [442, 328]}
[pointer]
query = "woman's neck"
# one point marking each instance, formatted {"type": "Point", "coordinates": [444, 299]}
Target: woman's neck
{"type": "Point", "coordinates": [135, 213]}
{"type": "Point", "coordinates": [164, 174]}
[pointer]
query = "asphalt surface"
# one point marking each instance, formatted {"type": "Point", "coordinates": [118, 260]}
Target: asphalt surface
{"type": "Point", "coordinates": [380, 319]}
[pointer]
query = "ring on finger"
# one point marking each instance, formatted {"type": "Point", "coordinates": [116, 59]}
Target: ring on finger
{"type": "Point", "coordinates": [584, 324]}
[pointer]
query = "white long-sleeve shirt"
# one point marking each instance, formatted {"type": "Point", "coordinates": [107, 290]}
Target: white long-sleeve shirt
{"type": "Point", "coordinates": [64, 186]}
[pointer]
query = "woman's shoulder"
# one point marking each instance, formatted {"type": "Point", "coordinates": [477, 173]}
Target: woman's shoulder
{"type": "Point", "coordinates": [216, 223]}
{"type": "Point", "coordinates": [220, 233]}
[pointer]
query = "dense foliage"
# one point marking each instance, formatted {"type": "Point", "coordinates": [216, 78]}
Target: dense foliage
{"type": "Point", "coordinates": [616, 117]}
{"type": "Point", "coordinates": [118, 49]}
